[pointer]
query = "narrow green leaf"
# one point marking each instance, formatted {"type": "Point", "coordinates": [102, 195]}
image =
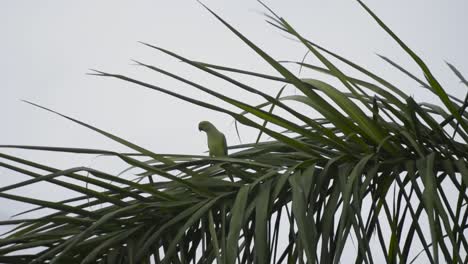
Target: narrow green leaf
{"type": "Point", "coordinates": [458, 74]}
{"type": "Point", "coordinates": [305, 224]}
{"type": "Point", "coordinates": [426, 169]}
{"type": "Point", "coordinates": [235, 224]}
{"type": "Point", "coordinates": [214, 237]}
{"type": "Point", "coordinates": [261, 223]}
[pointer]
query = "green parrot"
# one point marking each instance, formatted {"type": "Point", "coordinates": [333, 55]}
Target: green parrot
{"type": "Point", "coordinates": [216, 140]}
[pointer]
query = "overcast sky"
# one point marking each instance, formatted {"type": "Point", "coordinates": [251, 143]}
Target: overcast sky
{"type": "Point", "coordinates": [48, 46]}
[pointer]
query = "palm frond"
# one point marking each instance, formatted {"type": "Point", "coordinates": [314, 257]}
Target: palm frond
{"type": "Point", "coordinates": [375, 169]}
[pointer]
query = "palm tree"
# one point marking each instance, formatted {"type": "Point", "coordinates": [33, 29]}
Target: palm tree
{"type": "Point", "coordinates": [377, 170]}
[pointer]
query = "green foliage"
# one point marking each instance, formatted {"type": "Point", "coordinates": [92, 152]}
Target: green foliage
{"type": "Point", "coordinates": [371, 170]}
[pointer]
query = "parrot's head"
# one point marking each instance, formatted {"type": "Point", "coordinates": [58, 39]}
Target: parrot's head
{"type": "Point", "coordinates": [205, 126]}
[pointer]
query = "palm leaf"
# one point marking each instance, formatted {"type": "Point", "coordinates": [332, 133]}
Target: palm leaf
{"type": "Point", "coordinates": [370, 168]}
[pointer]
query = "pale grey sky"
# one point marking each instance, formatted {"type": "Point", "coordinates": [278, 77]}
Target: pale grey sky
{"type": "Point", "coordinates": [47, 47]}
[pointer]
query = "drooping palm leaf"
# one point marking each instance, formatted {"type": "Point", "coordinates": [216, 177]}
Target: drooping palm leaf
{"type": "Point", "coordinates": [375, 170]}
